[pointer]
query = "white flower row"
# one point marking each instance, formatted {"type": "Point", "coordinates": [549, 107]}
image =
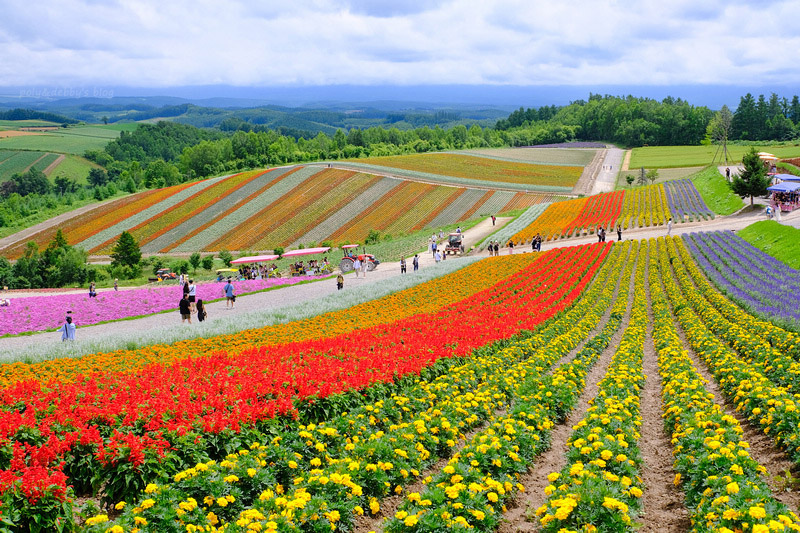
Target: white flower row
{"type": "Point", "coordinates": [349, 212]}
{"type": "Point", "coordinates": [455, 212]}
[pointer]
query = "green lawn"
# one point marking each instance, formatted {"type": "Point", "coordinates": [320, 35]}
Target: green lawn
{"type": "Point", "coordinates": [664, 174]}
{"type": "Point", "coordinates": [715, 191]}
{"type": "Point", "coordinates": [688, 156]}
{"type": "Point", "coordinates": [779, 241]}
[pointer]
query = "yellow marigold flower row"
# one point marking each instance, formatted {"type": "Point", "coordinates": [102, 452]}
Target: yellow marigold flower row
{"type": "Point", "coordinates": [603, 458]}
{"type": "Point", "coordinates": [729, 491]}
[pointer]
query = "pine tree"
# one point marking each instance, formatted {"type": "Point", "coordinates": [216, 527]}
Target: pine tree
{"type": "Point", "coordinates": [753, 180]}
{"type": "Point", "coordinates": [126, 252]}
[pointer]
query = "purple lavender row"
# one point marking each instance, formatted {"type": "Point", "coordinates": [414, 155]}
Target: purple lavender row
{"type": "Point", "coordinates": [674, 208]}
{"type": "Point", "coordinates": [697, 198]}
{"type": "Point", "coordinates": [757, 256]}
{"type": "Point", "coordinates": [760, 292]}
{"type": "Point", "coordinates": [749, 270]}
{"type": "Point", "coordinates": [775, 307]}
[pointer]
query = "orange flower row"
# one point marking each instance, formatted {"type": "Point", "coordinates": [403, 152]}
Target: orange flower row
{"type": "Point", "coordinates": [156, 225]}
{"type": "Point", "coordinates": [552, 223]}
{"type": "Point", "coordinates": [424, 298]}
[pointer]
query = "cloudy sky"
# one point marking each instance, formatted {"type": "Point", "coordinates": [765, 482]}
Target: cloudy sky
{"type": "Point", "coordinates": [145, 43]}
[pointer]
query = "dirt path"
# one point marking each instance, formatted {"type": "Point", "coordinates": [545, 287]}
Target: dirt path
{"type": "Point", "coordinates": [585, 182]}
{"type": "Point", "coordinates": [627, 161]}
{"type": "Point", "coordinates": [663, 508]}
{"type": "Point", "coordinates": [275, 299]}
{"type": "Point", "coordinates": [54, 164]}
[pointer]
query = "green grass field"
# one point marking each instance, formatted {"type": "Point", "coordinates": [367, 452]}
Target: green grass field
{"type": "Point", "coordinates": [689, 156]}
{"type": "Point", "coordinates": [664, 175]}
{"type": "Point", "coordinates": [73, 140]}
{"type": "Point", "coordinates": [779, 241]}
{"type": "Point", "coordinates": [16, 124]}
{"type": "Point", "coordinates": [74, 167]}
{"type": "Point", "coordinates": [715, 191]}
{"type": "Point", "coordinates": [13, 162]}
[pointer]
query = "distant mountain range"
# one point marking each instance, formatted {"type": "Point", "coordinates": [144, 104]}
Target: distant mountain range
{"type": "Point", "coordinates": [310, 110]}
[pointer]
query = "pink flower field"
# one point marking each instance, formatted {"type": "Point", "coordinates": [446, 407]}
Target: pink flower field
{"type": "Point", "coordinates": [39, 313]}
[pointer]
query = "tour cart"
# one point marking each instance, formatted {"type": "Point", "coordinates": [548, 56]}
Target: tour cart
{"type": "Point", "coordinates": [350, 255]}
{"type": "Point", "coordinates": [455, 244]}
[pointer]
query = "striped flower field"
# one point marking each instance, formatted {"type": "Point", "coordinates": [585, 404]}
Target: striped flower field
{"type": "Point", "coordinates": [651, 205]}
{"type": "Point", "coordinates": [600, 387]}
{"type": "Point", "coordinates": [281, 207]}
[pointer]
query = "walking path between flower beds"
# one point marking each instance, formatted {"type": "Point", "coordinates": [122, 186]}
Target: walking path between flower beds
{"type": "Point", "coordinates": [606, 179]}
{"type": "Point", "coordinates": [274, 299]}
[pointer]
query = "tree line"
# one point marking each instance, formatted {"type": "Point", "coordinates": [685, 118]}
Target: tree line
{"type": "Point", "coordinates": [632, 121]}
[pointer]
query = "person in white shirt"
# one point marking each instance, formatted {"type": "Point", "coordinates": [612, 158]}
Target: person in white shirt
{"type": "Point", "coordinates": [68, 330]}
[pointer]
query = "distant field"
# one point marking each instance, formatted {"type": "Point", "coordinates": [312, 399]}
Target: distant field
{"type": "Point", "coordinates": [545, 156]}
{"type": "Point", "coordinates": [288, 206]}
{"type": "Point", "coordinates": [74, 167]}
{"type": "Point", "coordinates": [13, 162]}
{"type": "Point", "coordinates": [28, 124]}
{"type": "Point", "coordinates": [73, 140]}
{"type": "Point", "coordinates": [17, 161]}
{"type": "Point", "coordinates": [689, 156]}
{"type": "Point", "coordinates": [468, 168]}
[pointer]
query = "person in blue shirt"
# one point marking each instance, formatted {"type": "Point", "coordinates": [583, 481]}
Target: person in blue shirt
{"type": "Point", "coordinates": [230, 297]}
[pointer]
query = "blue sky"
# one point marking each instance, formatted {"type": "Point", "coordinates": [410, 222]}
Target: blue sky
{"type": "Point", "coordinates": [401, 42]}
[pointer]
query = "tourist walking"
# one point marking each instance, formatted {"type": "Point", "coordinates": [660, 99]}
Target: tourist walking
{"type": "Point", "coordinates": [493, 219]}
{"type": "Point", "coordinates": [185, 310]}
{"type": "Point", "coordinates": [415, 262]}
{"type": "Point", "coordinates": [68, 330]}
{"type": "Point", "coordinates": [437, 256]}
{"type": "Point", "coordinates": [669, 226]}
{"type": "Point", "coordinates": [538, 240]}
{"type": "Point", "coordinates": [364, 267]}
{"type": "Point", "coordinates": [116, 284]}
{"type": "Point", "coordinates": [619, 232]}
{"type": "Point", "coordinates": [510, 247]}
{"type": "Point", "coordinates": [92, 290]}
{"type": "Point", "coordinates": [230, 297]}
{"type": "Point", "coordinates": [339, 282]}
{"type": "Point", "coordinates": [192, 295]}
{"type": "Point", "coordinates": [357, 266]}
{"type": "Point", "coordinates": [201, 311]}
{"type": "Point", "coordinates": [402, 265]}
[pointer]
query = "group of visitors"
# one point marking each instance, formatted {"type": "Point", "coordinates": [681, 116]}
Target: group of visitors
{"type": "Point", "coordinates": [494, 248]}
{"type": "Point", "coordinates": [189, 304]}
{"type": "Point", "coordinates": [601, 234]}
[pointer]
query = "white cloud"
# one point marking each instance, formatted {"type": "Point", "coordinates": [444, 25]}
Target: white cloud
{"type": "Point", "coordinates": [157, 44]}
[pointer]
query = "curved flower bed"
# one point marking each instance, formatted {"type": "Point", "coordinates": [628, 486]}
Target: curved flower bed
{"type": "Point", "coordinates": [42, 313]}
